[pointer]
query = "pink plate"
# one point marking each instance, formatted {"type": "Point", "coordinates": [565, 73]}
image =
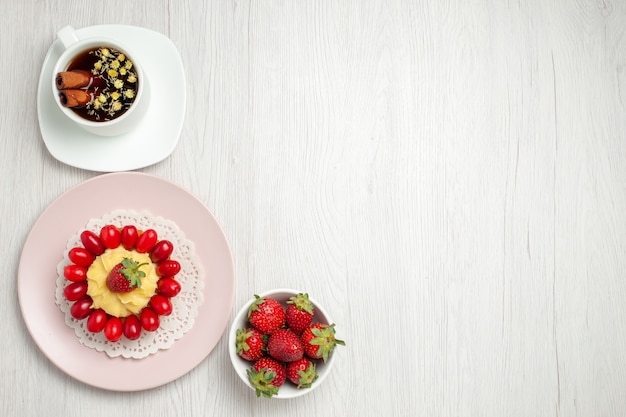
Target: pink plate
{"type": "Point", "coordinates": [44, 249]}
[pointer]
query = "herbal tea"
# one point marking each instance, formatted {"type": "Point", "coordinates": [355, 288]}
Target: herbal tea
{"type": "Point", "coordinates": [99, 84]}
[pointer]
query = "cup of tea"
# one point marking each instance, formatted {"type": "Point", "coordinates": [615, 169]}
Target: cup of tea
{"type": "Point", "coordinates": [98, 84]}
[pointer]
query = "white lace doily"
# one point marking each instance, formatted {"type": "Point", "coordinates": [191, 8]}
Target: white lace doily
{"type": "Point", "coordinates": [185, 304]}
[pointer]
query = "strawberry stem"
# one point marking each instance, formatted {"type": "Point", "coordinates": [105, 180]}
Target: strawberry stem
{"type": "Point", "coordinates": [132, 272]}
{"type": "Point", "coordinates": [262, 382]}
{"type": "Point", "coordinates": [302, 302]}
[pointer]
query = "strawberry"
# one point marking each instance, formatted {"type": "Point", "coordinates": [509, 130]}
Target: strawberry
{"type": "Point", "coordinates": [299, 313]}
{"type": "Point", "coordinates": [302, 372]}
{"type": "Point", "coordinates": [250, 344]}
{"type": "Point", "coordinates": [125, 276]}
{"type": "Point", "coordinates": [319, 341]}
{"type": "Point", "coordinates": [266, 376]}
{"type": "Point", "coordinates": [266, 315]}
{"type": "Point", "coordinates": [285, 346]}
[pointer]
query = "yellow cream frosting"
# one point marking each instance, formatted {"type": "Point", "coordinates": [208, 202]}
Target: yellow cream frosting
{"type": "Point", "coordinates": [120, 304]}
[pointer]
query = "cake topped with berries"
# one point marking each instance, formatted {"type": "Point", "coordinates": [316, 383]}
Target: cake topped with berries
{"type": "Point", "coordinates": [119, 284]}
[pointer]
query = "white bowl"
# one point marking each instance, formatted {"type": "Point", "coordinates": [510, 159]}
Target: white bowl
{"type": "Point", "coordinates": [288, 390]}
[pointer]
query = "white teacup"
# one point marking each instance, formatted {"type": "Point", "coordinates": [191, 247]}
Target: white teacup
{"type": "Point", "coordinates": [121, 124]}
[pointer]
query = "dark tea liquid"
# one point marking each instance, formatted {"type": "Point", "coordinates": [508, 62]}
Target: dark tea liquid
{"type": "Point", "coordinates": [119, 90]}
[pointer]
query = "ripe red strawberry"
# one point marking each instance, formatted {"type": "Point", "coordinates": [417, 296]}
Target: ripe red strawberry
{"type": "Point", "coordinates": [302, 372]}
{"type": "Point", "coordinates": [125, 276]}
{"type": "Point", "coordinates": [319, 341]}
{"type": "Point", "coordinates": [266, 376]}
{"type": "Point", "coordinates": [250, 344]}
{"type": "Point", "coordinates": [266, 315]}
{"type": "Point", "coordinates": [299, 313]}
{"type": "Point", "coordinates": [285, 346]}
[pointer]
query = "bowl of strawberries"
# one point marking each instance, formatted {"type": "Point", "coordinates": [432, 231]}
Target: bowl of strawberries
{"type": "Point", "coordinates": [282, 343]}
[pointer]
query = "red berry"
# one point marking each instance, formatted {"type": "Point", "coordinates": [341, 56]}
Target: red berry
{"type": "Point", "coordinates": [319, 341]}
{"type": "Point", "coordinates": [81, 256]}
{"type": "Point", "coordinates": [302, 372]}
{"type": "Point", "coordinates": [81, 308]}
{"type": "Point", "coordinates": [113, 329]}
{"type": "Point", "coordinates": [161, 305]}
{"type": "Point", "coordinates": [75, 273]}
{"type": "Point", "coordinates": [168, 268]}
{"type": "Point", "coordinates": [146, 241]}
{"type": "Point", "coordinates": [285, 346]}
{"type": "Point", "coordinates": [110, 236]}
{"type": "Point", "coordinates": [149, 320]}
{"type": "Point", "coordinates": [266, 315]}
{"type": "Point", "coordinates": [266, 376]}
{"type": "Point", "coordinates": [96, 321]}
{"type": "Point", "coordinates": [250, 345]}
{"type": "Point", "coordinates": [92, 242]}
{"type": "Point", "coordinates": [299, 313]}
{"type": "Point", "coordinates": [168, 287]}
{"type": "Point", "coordinates": [128, 236]}
{"type": "Point", "coordinates": [125, 276]}
{"type": "Point", "coordinates": [161, 251]}
{"type": "Point", "coordinates": [131, 327]}
{"type": "Point", "coordinates": [75, 290]}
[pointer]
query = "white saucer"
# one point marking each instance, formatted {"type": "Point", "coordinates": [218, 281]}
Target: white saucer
{"type": "Point", "coordinates": [153, 141]}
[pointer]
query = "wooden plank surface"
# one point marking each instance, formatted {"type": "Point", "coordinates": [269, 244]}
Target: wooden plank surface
{"type": "Point", "coordinates": [446, 177]}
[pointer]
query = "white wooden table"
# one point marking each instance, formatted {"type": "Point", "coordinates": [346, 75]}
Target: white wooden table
{"type": "Point", "coordinates": [449, 178]}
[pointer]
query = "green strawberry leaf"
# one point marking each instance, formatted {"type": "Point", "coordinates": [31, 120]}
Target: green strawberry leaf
{"type": "Point", "coordinates": [132, 272]}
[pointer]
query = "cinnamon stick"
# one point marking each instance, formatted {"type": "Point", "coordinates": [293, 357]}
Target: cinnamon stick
{"type": "Point", "coordinates": [76, 98]}
{"type": "Point", "coordinates": [77, 79]}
